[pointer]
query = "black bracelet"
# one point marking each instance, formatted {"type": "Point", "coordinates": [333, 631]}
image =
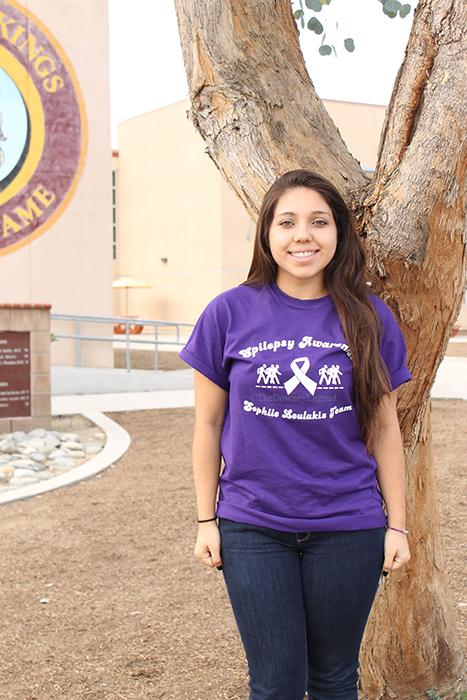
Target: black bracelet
{"type": "Point", "coordinates": [208, 520]}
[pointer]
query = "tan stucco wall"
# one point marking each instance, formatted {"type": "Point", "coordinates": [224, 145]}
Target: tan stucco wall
{"type": "Point", "coordinates": [360, 127]}
{"type": "Point", "coordinates": [70, 265]}
{"type": "Point", "coordinates": [462, 318]}
{"type": "Point", "coordinates": [169, 206]}
{"type": "Point", "coordinates": [238, 233]}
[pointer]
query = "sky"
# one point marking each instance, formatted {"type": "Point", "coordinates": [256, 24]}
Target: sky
{"type": "Point", "coordinates": [147, 71]}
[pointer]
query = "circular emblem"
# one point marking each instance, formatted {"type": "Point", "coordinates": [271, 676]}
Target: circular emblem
{"type": "Point", "coordinates": [42, 128]}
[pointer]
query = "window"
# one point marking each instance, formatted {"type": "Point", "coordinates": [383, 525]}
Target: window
{"type": "Point", "coordinates": [114, 214]}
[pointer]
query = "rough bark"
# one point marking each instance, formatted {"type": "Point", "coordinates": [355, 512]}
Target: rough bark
{"type": "Point", "coordinates": [256, 108]}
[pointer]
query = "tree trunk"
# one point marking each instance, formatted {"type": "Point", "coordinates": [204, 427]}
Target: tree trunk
{"type": "Point", "coordinates": [256, 108]}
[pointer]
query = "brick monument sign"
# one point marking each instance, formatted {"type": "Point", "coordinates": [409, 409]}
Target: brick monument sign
{"type": "Point", "coordinates": [24, 367]}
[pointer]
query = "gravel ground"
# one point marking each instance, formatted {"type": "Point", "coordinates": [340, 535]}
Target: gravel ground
{"type": "Point", "coordinates": [103, 598]}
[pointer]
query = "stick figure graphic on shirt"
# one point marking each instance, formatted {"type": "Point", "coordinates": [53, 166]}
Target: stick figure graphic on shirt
{"type": "Point", "coordinates": [268, 374]}
{"type": "Point", "coordinates": [323, 374]}
{"type": "Point", "coordinates": [271, 372]}
{"type": "Point", "coordinates": [334, 373]}
{"type": "Point", "coordinates": [330, 374]}
{"type": "Point", "coordinates": [261, 373]}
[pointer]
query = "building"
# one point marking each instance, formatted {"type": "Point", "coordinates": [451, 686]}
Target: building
{"type": "Point", "coordinates": [55, 185]}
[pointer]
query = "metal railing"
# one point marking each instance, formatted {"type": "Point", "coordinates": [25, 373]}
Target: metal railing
{"type": "Point", "coordinates": [121, 321]}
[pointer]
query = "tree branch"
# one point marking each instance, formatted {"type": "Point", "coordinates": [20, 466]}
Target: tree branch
{"type": "Point", "coordinates": [423, 126]}
{"type": "Point", "coordinates": [258, 111]}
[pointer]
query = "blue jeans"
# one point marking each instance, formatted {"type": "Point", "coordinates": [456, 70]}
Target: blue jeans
{"type": "Point", "coordinates": [301, 602]}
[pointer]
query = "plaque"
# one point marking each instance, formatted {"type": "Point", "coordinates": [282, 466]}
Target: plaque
{"type": "Point", "coordinates": [15, 374]}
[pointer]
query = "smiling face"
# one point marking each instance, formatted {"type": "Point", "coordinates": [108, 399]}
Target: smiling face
{"type": "Point", "coordinates": [303, 240]}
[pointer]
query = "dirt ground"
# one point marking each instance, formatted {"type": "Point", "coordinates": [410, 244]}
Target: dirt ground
{"type": "Point", "coordinates": [103, 598]}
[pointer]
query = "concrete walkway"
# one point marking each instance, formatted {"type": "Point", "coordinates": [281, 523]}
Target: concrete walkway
{"type": "Point", "coordinates": [450, 383]}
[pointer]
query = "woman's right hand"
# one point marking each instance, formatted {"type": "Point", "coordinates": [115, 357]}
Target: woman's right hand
{"type": "Point", "coordinates": [208, 544]}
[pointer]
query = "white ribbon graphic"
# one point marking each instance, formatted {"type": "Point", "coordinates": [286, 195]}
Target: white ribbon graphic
{"type": "Point", "coordinates": [300, 376]}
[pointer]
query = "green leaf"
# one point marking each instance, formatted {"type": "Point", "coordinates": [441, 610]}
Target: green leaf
{"type": "Point", "coordinates": [404, 11]}
{"type": "Point", "coordinates": [298, 13]}
{"type": "Point", "coordinates": [349, 45]}
{"type": "Point", "coordinates": [325, 50]}
{"type": "Point", "coordinates": [392, 6]}
{"type": "Point", "coordinates": [389, 14]}
{"type": "Point", "coordinates": [315, 25]}
{"type": "Point", "coordinates": [314, 5]}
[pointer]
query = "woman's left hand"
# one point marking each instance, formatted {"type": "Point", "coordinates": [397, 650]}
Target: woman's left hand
{"type": "Point", "coordinates": [396, 550]}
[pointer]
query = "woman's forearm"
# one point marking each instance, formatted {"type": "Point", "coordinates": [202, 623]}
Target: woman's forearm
{"type": "Point", "coordinates": [390, 473]}
{"type": "Point", "coordinates": [206, 467]}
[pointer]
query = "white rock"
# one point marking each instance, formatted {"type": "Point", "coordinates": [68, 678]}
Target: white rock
{"type": "Point", "coordinates": [21, 481]}
{"type": "Point", "coordinates": [57, 453]}
{"type": "Point", "coordinates": [92, 448]}
{"type": "Point", "coordinates": [72, 445]}
{"type": "Point", "coordinates": [65, 437]}
{"type": "Point", "coordinates": [64, 462]}
{"type": "Point", "coordinates": [24, 472]}
{"type": "Point", "coordinates": [8, 445]}
{"type": "Point", "coordinates": [18, 435]}
{"type": "Point", "coordinates": [37, 467]}
{"type": "Point", "coordinates": [37, 432]}
{"type": "Point", "coordinates": [6, 471]}
{"type": "Point", "coordinates": [38, 457]}
{"type": "Point", "coordinates": [26, 450]}
{"type": "Point", "coordinates": [52, 440]}
{"type": "Point", "coordinates": [37, 443]}
{"type": "Point", "coordinates": [22, 463]}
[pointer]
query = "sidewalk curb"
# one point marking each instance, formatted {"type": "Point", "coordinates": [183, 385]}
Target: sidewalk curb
{"type": "Point", "coordinates": [117, 443]}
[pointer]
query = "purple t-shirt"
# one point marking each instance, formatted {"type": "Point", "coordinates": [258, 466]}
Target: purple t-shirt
{"type": "Point", "coordinates": [291, 442]}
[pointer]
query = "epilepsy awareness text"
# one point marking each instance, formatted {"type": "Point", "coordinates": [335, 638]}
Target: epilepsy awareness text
{"type": "Point", "coordinates": [306, 342]}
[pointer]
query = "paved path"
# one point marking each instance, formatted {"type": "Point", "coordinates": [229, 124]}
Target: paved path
{"type": "Point", "coordinates": [450, 383]}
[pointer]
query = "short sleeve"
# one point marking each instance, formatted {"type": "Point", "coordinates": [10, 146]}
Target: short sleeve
{"type": "Point", "coordinates": [393, 348]}
{"type": "Point", "coordinates": [204, 349]}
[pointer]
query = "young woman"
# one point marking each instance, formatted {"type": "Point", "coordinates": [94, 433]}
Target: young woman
{"type": "Point", "coordinates": [296, 376]}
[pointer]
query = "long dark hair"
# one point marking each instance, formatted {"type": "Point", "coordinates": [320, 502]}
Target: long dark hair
{"type": "Point", "coordinates": [346, 282]}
